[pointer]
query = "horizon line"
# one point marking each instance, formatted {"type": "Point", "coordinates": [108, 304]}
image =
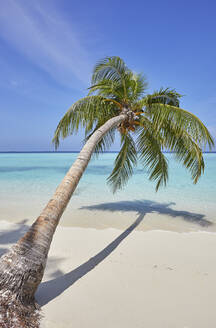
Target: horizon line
{"type": "Point", "coordinates": [72, 151]}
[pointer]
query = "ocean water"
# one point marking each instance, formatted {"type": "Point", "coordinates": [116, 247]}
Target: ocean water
{"type": "Point", "coordinates": [28, 180]}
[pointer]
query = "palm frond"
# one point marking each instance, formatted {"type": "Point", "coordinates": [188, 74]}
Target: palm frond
{"type": "Point", "coordinates": [185, 149]}
{"type": "Point", "coordinates": [107, 88]}
{"type": "Point", "coordinates": [165, 96]}
{"type": "Point", "coordinates": [84, 113]}
{"type": "Point", "coordinates": [110, 68]}
{"type": "Point", "coordinates": [112, 77]}
{"type": "Point", "coordinates": [107, 140]}
{"type": "Point", "coordinates": [160, 114]}
{"type": "Point", "coordinates": [124, 162]}
{"type": "Point", "coordinates": [137, 87]}
{"type": "Point", "coordinates": [173, 138]}
{"type": "Point", "coordinates": [149, 146]}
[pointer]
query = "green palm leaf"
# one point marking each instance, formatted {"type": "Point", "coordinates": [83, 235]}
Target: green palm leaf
{"type": "Point", "coordinates": [138, 86]}
{"type": "Point", "coordinates": [106, 141]}
{"type": "Point", "coordinates": [108, 88]}
{"type": "Point", "coordinates": [165, 96]}
{"type": "Point", "coordinates": [180, 118]}
{"type": "Point", "coordinates": [185, 149]}
{"type": "Point", "coordinates": [124, 163]}
{"type": "Point", "coordinates": [110, 68]}
{"type": "Point", "coordinates": [85, 113]}
{"type": "Point", "coordinates": [149, 146]}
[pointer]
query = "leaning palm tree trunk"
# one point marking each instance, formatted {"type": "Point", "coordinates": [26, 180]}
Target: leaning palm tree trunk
{"type": "Point", "coordinates": [22, 268]}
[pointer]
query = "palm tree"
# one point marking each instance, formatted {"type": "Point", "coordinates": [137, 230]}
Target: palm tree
{"type": "Point", "coordinates": [147, 124]}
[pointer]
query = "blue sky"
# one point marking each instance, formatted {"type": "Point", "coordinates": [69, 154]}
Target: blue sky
{"type": "Point", "coordinates": [48, 49]}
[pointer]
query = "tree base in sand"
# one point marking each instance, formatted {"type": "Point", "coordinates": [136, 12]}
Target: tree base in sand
{"type": "Point", "coordinates": [15, 314]}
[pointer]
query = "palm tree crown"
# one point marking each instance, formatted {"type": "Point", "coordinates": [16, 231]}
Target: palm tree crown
{"type": "Point", "coordinates": [154, 123]}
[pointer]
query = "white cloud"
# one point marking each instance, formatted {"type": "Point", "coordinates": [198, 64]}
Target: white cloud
{"type": "Point", "coordinates": [46, 39]}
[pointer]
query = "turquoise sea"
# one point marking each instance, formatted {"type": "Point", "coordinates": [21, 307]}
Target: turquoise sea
{"type": "Point", "coordinates": [27, 181]}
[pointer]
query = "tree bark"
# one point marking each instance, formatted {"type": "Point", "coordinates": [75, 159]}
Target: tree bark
{"type": "Point", "coordinates": [22, 268]}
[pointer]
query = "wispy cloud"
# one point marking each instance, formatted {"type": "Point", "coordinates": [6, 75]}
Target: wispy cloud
{"type": "Point", "coordinates": [46, 39]}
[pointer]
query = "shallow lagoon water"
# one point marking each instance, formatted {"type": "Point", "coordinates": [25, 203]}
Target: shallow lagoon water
{"type": "Point", "coordinates": [27, 181]}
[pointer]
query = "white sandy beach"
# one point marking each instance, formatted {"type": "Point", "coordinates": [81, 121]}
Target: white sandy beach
{"type": "Point", "coordinates": [124, 279]}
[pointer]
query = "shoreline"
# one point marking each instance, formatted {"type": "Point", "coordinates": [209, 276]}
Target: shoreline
{"type": "Point", "coordinates": [118, 215]}
{"type": "Point", "coordinates": [29, 181]}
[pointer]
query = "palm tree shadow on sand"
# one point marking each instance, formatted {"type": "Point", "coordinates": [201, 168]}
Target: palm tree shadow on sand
{"type": "Point", "coordinates": [148, 206]}
{"type": "Point", "coordinates": [49, 290]}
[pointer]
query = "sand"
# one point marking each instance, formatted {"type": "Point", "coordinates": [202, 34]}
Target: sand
{"type": "Point", "coordinates": [125, 279]}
